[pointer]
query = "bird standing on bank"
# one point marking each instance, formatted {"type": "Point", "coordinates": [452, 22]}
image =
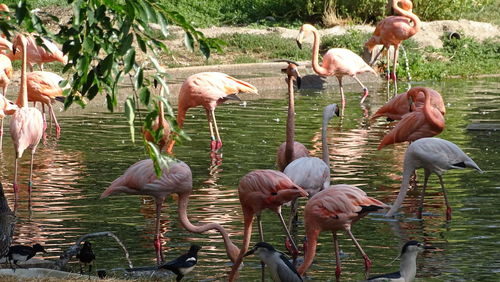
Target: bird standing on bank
{"type": "Point", "coordinates": [434, 155]}
{"type": "Point", "coordinates": [337, 62]}
{"type": "Point", "coordinates": [86, 256]}
{"type": "Point", "coordinates": [20, 253]}
{"type": "Point", "coordinates": [277, 262]}
{"type": "Point", "coordinates": [209, 89]}
{"type": "Point", "coordinates": [408, 264]}
{"type": "Point", "coordinates": [183, 264]}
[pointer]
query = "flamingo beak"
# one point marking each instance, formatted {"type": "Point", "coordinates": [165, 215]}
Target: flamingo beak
{"type": "Point", "coordinates": [299, 39]}
{"type": "Point", "coordinates": [302, 192]}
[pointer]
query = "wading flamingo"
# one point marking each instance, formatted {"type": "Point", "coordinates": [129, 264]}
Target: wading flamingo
{"type": "Point", "coordinates": [434, 155]}
{"type": "Point", "coordinates": [290, 149]}
{"type": "Point", "coordinates": [336, 62]}
{"type": "Point", "coordinates": [399, 105]}
{"type": "Point", "coordinates": [209, 89]}
{"type": "Point", "coordinates": [426, 121]}
{"type": "Point", "coordinates": [311, 173]}
{"type": "Point", "coordinates": [393, 30]}
{"type": "Point", "coordinates": [140, 179]}
{"type": "Point", "coordinates": [6, 106]}
{"type": "Point", "coordinates": [43, 87]}
{"type": "Point", "coordinates": [37, 54]}
{"type": "Point", "coordinates": [26, 125]}
{"type": "Point", "coordinates": [336, 209]}
{"type": "Point", "coordinates": [260, 190]}
{"type": "Point", "coordinates": [160, 122]}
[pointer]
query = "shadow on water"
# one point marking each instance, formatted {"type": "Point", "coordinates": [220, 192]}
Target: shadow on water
{"type": "Point", "coordinates": [95, 148]}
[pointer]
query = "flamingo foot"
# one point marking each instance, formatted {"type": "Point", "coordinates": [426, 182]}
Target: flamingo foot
{"type": "Point", "coordinates": [338, 271]}
{"type": "Point", "coordinates": [293, 252]}
{"type": "Point", "coordinates": [159, 253]}
{"type": "Point", "coordinates": [218, 144]}
{"type": "Point", "coordinates": [368, 265]}
{"type": "Point", "coordinates": [365, 94]}
{"type": "Point", "coordinates": [393, 76]}
{"type": "Point", "coordinates": [58, 131]}
{"type": "Point", "coordinates": [448, 213]}
{"type": "Point", "coordinates": [44, 125]}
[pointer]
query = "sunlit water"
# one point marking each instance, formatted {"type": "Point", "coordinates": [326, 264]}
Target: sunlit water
{"type": "Point", "coordinates": [95, 148]}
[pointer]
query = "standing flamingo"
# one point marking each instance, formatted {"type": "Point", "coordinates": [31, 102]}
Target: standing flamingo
{"type": "Point", "coordinates": [26, 125]}
{"type": "Point", "coordinates": [311, 173]}
{"type": "Point", "coordinates": [393, 30]}
{"type": "Point", "coordinates": [336, 209]}
{"type": "Point", "coordinates": [43, 86]}
{"type": "Point", "coordinates": [260, 190]}
{"type": "Point", "coordinates": [434, 155]}
{"type": "Point", "coordinates": [290, 149]}
{"type": "Point", "coordinates": [5, 105]}
{"type": "Point", "coordinates": [336, 62]}
{"type": "Point", "coordinates": [209, 89]}
{"type": "Point", "coordinates": [399, 105]}
{"type": "Point", "coordinates": [37, 54]}
{"type": "Point", "coordinates": [426, 121]}
{"type": "Point", "coordinates": [140, 179]}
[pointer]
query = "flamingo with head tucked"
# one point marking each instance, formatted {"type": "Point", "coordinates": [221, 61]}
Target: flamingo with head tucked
{"type": "Point", "coordinates": [393, 30]}
{"type": "Point", "coordinates": [426, 121]}
{"type": "Point", "coordinates": [337, 62]}
{"type": "Point", "coordinates": [209, 89]}
{"type": "Point", "coordinates": [26, 125]}
{"type": "Point", "coordinates": [37, 54]}
{"type": "Point", "coordinates": [434, 155]}
{"type": "Point", "coordinates": [260, 190]}
{"type": "Point", "coordinates": [140, 179]}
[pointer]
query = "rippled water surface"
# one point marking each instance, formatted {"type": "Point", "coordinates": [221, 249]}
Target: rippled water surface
{"type": "Point", "coordinates": [95, 148]}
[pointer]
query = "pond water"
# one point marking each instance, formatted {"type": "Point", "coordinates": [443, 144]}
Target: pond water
{"type": "Point", "coordinates": [95, 148]}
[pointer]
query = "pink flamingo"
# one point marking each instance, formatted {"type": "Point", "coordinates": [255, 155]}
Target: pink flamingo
{"type": "Point", "coordinates": [140, 179]}
{"type": "Point", "coordinates": [399, 105]}
{"type": "Point", "coordinates": [434, 155]}
{"type": "Point", "coordinates": [336, 62]}
{"type": "Point", "coordinates": [426, 121]}
{"type": "Point", "coordinates": [336, 209]}
{"type": "Point", "coordinates": [37, 54]}
{"type": "Point", "coordinates": [43, 87]}
{"type": "Point", "coordinates": [160, 122]}
{"type": "Point", "coordinates": [290, 149]}
{"type": "Point", "coordinates": [393, 30]}
{"type": "Point", "coordinates": [209, 89]}
{"type": "Point", "coordinates": [260, 190]}
{"type": "Point", "coordinates": [5, 105]}
{"type": "Point", "coordinates": [26, 125]}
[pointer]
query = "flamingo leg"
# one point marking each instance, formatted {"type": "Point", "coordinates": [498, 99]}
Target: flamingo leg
{"type": "Point", "coordinates": [368, 263]}
{"type": "Point", "coordinates": [53, 117]}
{"type": "Point", "coordinates": [157, 243]}
{"type": "Point", "coordinates": [261, 235]}
{"type": "Point", "coordinates": [213, 142]}
{"type": "Point", "coordinates": [395, 68]}
{"type": "Point", "coordinates": [292, 220]}
{"type": "Point", "coordinates": [30, 183]}
{"type": "Point", "coordinates": [219, 141]}
{"type": "Point", "coordinates": [341, 94]}
{"type": "Point", "coordinates": [338, 267]}
{"type": "Point", "coordinates": [422, 195]}
{"type": "Point", "coordinates": [16, 188]}
{"type": "Point", "coordinates": [448, 207]}
{"type": "Point", "coordinates": [295, 252]}
{"type": "Point", "coordinates": [1, 135]}
{"type": "Point", "coordinates": [365, 90]}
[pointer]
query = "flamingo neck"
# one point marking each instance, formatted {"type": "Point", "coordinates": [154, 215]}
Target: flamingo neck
{"type": "Point", "coordinates": [416, 21]}
{"type": "Point", "coordinates": [431, 114]}
{"type": "Point", "coordinates": [290, 123]}
{"type": "Point", "coordinates": [309, 250]}
{"type": "Point", "coordinates": [324, 143]}
{"type": "Point", "coordinates": [405, 184]}
{"type": "Point", "coordinates": [315, 55]}
{"type": "Point", "coordinates": [22, 99]}
{"type": "Point", "coordinates": [231, 249]}
{"type": "Point", "coordinates": [161, 114]}
{"type": "Point", "coordinates": [247, 234]}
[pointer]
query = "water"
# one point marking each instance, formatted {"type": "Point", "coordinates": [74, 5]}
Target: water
{"type": "Point", "coordinates": [95, 148]}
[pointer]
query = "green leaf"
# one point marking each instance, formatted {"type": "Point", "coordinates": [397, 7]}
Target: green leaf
{"type": "Point", "coordinates": [129, 60]}
{"type": "Point", "coordinates": [205, 49]}
{"type": "Point", "coordinates": [144, 95]}
{"type": "Point", "coordinates": [162, 21]}
{"type": "Point", "coordinates": [21, 12]}
{"type": "Point", "coordinates": [110, 102]}
{"type": "Point", "coordinates": [126, 43]}
{"type": "Point", "coordinates": [141, 43]}
{"type": "Point", "coordinates": [189, 41]}
{"type": "Point", "coordinates": [130, 115]}
{"type": "Point", "coordinates": [93, 92]}
{"type": "Point", "coordinates": [139, 78]}
{"type": "Point", "coordinates": [105, 65]}
{"type": "Point", "coordinates": [160, 161]}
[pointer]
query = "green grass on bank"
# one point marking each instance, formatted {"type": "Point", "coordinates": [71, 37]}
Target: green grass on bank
{"type": "Point", "coordinates": [465, 57]}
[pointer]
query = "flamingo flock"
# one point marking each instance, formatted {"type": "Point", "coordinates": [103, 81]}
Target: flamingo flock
{"type": "Point", "coordinates": [333, 207]}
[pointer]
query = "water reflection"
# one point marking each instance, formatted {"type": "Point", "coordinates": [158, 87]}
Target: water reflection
{"type": "Point", "coordinates": [95, 148]}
